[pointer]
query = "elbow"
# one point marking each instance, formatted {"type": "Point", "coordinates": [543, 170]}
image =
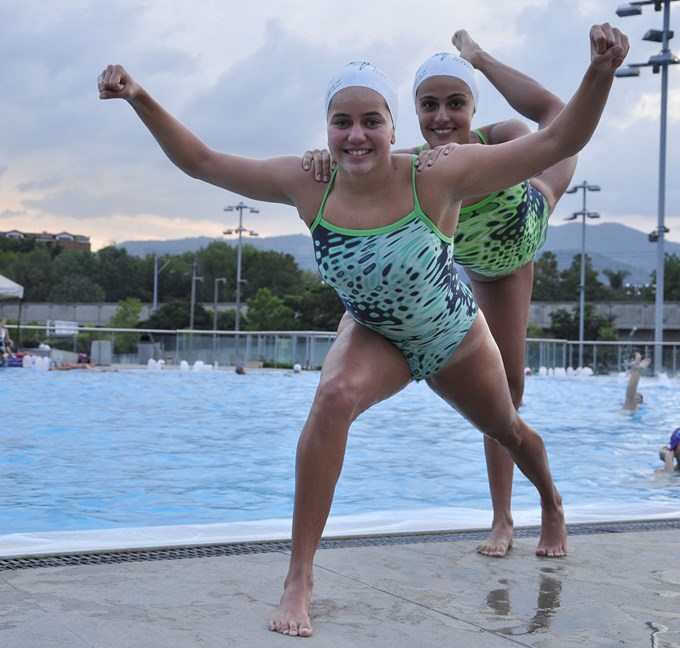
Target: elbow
{"type": "Point", "coordinates": [196, 166]}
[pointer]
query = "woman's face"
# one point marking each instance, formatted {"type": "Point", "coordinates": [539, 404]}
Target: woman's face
{"type": "Point", "coordinates": [360, 129]}
{"type": "Point", "coordinates": [445, 107]}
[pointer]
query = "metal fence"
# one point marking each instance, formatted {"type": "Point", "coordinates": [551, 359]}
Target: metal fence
{"type": "Point", "coordinates": [306, 348]}
{"type": "Point", "coordinates": [601, 357]}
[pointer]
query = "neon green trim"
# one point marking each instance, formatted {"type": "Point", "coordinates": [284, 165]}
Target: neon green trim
{"type": "Point", "coordinates": [417, 212]}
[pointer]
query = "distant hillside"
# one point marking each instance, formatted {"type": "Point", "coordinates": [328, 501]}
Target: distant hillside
{"type": "Point", "coordinates": [611, 246]}
{"type": "Point", "coordinates": [299, 245]}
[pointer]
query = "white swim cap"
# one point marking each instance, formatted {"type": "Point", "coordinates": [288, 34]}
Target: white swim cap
{"type": "Point", "coordinates": [447, 64]}
{"type": "Point", "coordinates": [365, 75]}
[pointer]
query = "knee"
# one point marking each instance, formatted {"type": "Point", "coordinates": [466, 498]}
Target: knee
{"type": "Point", "coordinates": [508, 434]}
{"type": "Point", "coordinates": [340, 395]}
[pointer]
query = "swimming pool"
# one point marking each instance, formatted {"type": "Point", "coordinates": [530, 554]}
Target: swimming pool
{"type": "Point", "coordinates": [87, 451]}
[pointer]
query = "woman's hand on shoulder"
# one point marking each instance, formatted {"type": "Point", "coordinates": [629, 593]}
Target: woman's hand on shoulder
{"type": "Point", "coordinates": [320, 163]}
{"type": "Point", "coordinates": [429, 156]}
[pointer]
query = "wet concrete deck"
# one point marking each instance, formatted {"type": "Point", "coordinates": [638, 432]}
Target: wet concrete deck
{"type": "Point", "coordinates": [619, 586]}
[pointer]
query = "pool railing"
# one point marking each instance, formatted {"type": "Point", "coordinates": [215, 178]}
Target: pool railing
{"type": "Point", "coordinates": [280, 349]}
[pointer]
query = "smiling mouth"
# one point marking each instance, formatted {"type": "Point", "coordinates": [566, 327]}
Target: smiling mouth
{"type": "Point", "coordinates": [358, 153]}
{"type": "Point", "coordinates": [442, 131]}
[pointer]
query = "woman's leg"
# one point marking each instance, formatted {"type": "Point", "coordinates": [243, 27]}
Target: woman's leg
{"type": "Point", "coordinates": [473, 381]}
{"type": "Point", "coordinates": [531, 100]}
{"type": "Point", "coordinates": [505, 303]}
{"type": "Point", "coordinates": [361, 369]}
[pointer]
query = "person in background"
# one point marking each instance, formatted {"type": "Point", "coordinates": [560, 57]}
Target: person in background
{"type": "Point", "coordinates": [671, 452]}
{"type": "Point", "coordinates": [6, 342]}
{"type": "Point", "coordinates": [633, 397]}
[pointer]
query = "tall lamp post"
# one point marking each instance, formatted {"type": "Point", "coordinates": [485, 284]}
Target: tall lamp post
{"type": "Point", "coordinates": [584, 213]}
{"type": "Point", "coordinates": [194, 279]}
{"type": "Point", "coordinates": [239, 230]}
{"type": "Point", "coordinates": [218, 281]}
{"type": "Point", "coordinates": [156, 272]}
{"type": "Point", "coordinates": [658, 62]}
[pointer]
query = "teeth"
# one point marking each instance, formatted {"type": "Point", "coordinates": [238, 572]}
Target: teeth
{"type": "Point", "coordinates": [443, 131]}
{"type": "Point", "coordinates": [358, 153]}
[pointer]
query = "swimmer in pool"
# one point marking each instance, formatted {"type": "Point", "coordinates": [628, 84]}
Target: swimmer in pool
{"type": "Point", "coordinates": [670, 454]}
{"type": "Point", "coordinates": [633, 397]}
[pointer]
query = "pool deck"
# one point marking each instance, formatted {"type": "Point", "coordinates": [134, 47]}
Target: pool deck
{"type": "Point", "coordinates": [619, 586]}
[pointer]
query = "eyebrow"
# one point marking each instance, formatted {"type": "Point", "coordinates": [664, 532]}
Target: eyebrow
{"type": "Point", "coordinates": [371, 113]}
{"type": "Point", "coordinates": [450, 96]}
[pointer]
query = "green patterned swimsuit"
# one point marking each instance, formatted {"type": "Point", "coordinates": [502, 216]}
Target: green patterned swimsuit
{"type": "Point", "coordinates": [502, 232]}
{"type": "Point", "coordinates": [400, 281]}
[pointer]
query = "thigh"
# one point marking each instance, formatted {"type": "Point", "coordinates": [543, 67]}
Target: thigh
{"type": "Point", "coordinates": [363, 363]}
{"type": "Point", "coordinates": [505, 303]}
{"type": "Point", "coordinates": [473, 381]}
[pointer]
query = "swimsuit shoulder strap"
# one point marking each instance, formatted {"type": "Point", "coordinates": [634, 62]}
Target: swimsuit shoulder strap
{"type": "Point", "coordinates": [319, 215]}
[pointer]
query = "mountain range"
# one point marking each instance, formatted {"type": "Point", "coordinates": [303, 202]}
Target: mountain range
{"type": "Point", "coordinates": [611, 246]}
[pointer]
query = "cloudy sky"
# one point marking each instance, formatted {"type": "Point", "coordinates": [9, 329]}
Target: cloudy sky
{"type": "Point", "coordinates": [249, 77]}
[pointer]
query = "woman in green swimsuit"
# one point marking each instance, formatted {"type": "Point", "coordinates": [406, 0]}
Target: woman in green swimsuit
{"type": "Point", "coordinates": [372, 192]}
{"type": "Point", "coordinates": [498, 234]}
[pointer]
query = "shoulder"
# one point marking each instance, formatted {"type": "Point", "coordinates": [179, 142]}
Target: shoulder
{"type": "Point", "coordinates": [505, 131]}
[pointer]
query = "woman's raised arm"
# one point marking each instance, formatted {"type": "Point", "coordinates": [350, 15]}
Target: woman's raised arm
{"type": "Point", "coordinates": [268, 180]}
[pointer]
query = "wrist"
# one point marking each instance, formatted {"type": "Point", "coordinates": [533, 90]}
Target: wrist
{"type": "Point", "coordinates": [479, 59]}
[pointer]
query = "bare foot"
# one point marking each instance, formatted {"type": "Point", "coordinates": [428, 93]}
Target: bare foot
{"type": "Point", "coordinates": [499, 541]}
{"type": "Point", "coordinates": [553, 540]}
{"type": "Point", "coordinates": [465, 45]}
{"type": "Point", "coordinates": [292, 615]}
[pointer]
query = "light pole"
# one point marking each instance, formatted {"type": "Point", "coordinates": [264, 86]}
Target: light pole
{"type": "Point", "coordinates": [156, 272]}
{"type": "Point", "coordinates": [658, 62]}
{"type": "Point", "coordinates": [239, 230]}
{"type": "Point", "coordinates": [585, 187]}
{"type": "Point", "coordinates": [194, 279]}
{"type": "Point", "coordinates": [218, 281]}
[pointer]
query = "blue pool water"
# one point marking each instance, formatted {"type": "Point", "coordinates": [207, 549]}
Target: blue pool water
{"type": "Point", "coordinates": [85, 450]}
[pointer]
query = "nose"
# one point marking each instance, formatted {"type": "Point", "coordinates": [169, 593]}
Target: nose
{"type": "Point", "coordinates": [356, 133]}
{"type": "Point", "coordinates": [442, 115]}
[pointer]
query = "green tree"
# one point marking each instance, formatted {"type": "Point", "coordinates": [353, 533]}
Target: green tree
{"type": "Point", "coordinates": [547, 285]}
{"type": "Point", "coordinates": [76, 288]}
{"type": "Point", "coordinates": [571, 281]}
{"type": "Point", "coordinates": [267, 312]}
{"type": "Point", "coordinates": [174, 283]}
{"type": "Point", "coordinates": [275, 271]}
{"type": "Point", "coordinates": [121, 275]}
{"type": "Point", "coordinates": [33, 270]}
{"type": "Point", "coordinates": [126, 317]}
{"type": "Point", "coordinates": [616, 279]}
{"type": "Point", "coordinates": [318, 308]}
{"type": "Point", "coordinates": [671, 277]}
{"type": "Point", "coordinates": [127, 313]}
{"type": "Point", "coordinates": [176, 315]}
{"type": "Point", "coordinates": [226, 320]}
{"type": "Point", "coordinates": [565, 325]}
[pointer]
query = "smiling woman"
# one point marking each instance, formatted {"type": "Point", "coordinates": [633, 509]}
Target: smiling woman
{"type": "Point", "coordinates": [383, 235]}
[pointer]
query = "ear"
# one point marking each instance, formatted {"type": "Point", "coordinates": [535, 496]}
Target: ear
{"type": "Point", "coordinates": [394, 137]}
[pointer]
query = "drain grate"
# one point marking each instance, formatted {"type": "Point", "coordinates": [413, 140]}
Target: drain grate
{"type": "Point", "coordinates": [244, 548]}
